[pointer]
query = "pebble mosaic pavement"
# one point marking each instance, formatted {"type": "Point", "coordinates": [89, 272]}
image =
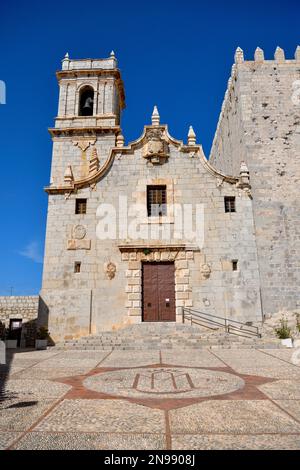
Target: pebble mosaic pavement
{"type": "Point", "coordinates": [170, 399]}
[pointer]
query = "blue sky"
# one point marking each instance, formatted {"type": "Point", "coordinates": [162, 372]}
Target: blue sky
{"type": "Point", "coordinates": [176, 54]}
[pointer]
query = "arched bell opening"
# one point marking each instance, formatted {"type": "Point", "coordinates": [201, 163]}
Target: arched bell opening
{"type": "Point", "coordinates": [86, 101]}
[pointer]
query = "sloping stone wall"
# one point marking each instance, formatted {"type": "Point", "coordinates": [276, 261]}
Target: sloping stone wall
{"type": "Point", "coordinates": [263, 96]}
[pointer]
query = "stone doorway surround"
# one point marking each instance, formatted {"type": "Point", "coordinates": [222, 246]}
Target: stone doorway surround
{"type": "Point", "coordinates": [134, 256]}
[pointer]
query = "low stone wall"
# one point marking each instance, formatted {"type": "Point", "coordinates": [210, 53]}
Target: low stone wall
{"type": "Point", "coordinates": [24, 308]}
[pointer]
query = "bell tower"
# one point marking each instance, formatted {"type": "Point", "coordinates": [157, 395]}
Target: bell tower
{"type": "Point", "coordinates": [91, 99]}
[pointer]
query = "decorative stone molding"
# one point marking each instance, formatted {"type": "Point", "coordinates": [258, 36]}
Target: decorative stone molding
{"type": "Point", "coordinates": [94, 162]}
{"type": "Point", "coordinates": [68, 176]}
{"type": "Point", "coordinates": [191, 136]}
{"type": "Point", "coordinates": [135, 256]}
{"type": "Point", "coordinates": [118, 152]}
{"type": "Point", "coordinates": [79, 244]}
{"type": "Point", "coordinates": [110, 269]}
{"type": "Point", "coordinates": [79, 232]}
{"type": "Point", "coordinates": [84, 144]}
{"type": "Point", "coordinates": [205, 271]}
{"type": "Point", "coordinates": [156, 148]}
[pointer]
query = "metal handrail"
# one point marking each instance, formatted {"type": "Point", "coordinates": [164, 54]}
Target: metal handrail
{"type": "Point", "coordinates": [196, 315]}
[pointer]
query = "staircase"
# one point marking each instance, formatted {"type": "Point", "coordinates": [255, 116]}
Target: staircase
{"type": "Point", "coordinates": [155, 336]}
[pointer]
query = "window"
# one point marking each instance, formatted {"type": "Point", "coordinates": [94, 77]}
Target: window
{"type": "Point", "coordinates": [80, 206]}
{"type": "Point", "coordinates": [234, 265]}
{"type": "Point", "coordinates": [156, 201]}
{"type": "Point", "coordinates": [229, 202]}
{"type": "Point", "coordinates": [77, 266]}
{"type": "Point", "coordinates": [86, 101]}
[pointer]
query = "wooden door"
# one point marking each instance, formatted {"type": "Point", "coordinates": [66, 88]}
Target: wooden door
{"type": "Point", "coordinates": [159, 292]}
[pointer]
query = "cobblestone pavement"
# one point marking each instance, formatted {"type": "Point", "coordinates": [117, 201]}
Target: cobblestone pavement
{"type": "Point", "coordinates": [178, 399]}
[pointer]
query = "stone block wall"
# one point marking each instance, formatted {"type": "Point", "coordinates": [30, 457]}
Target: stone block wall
{"type": "Point", "coordinates": [21, 307]}
{"type": "Point", "coordinates": [24, 308]}
{"type": "Point", "coordinates": [260, 124]}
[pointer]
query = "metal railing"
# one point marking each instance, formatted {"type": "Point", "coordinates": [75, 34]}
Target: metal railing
{"type": "Point", "coordinates": [213, 322]}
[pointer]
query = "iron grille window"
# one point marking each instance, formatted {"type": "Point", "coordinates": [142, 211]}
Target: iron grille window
{"type": "Point", "coordinates": [229, 202]}
{"type": "Point", "coordinates": [80, 207]}
{"type": "Point", "coordinates": [156, 201]}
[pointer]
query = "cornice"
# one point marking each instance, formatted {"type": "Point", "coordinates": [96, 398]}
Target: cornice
{"type": "Point", "coordinates": [80, 131]}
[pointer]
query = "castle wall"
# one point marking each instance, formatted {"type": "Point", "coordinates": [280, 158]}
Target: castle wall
{"type": "Point", "coordinates": [263, 97]}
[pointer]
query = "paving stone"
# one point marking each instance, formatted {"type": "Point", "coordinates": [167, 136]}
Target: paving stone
{"type": "Point", "coordinates": [256, 416]}
{"type": "Point", "coordinates": [20, 415]}
{"type": "Point", "coordinates": [187, 357]}
{"type": "Point", "coordinates": [235, 442]}
{"type": "Point", "coordinates": [282, 389]}
{"type": "Point", "coordinates": [131, 359]}
{"type": "Point", "coordinates": [28, 388]}
{"type": "Point", "coordinates": [291, 406]}
{"type": "Point", "coordinates": [91, 441]}
{"type": "Point", "coordinates": [103, 416]}
{"type": "Point", "coordinates": [7, 438]}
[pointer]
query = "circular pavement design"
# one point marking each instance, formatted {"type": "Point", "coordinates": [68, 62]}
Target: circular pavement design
{"type": "Point", "coordinates": [164, 382]}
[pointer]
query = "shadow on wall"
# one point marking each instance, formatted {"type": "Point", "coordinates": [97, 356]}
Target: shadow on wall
{"type": "Point", "coordinates": [43, 319]}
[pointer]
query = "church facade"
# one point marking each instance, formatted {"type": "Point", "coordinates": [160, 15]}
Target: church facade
{"type": "Point", "coordinates": [143, 231]}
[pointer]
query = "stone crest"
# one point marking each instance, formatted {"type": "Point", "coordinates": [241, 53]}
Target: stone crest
{"type": "Point", "coordinates": [110, 269]}
{"type": "Point", "coordinates": [156, 148]}
{"type": "Point", "coordinates": [79, 232]}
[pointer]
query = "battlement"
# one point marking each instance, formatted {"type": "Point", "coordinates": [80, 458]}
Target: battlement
{"type": "Point", "coordinates": [241, 66]}
{"type": "Point", "coordinates": [89, 64]}
{"type": "Point", "coordinates": [259, 56]}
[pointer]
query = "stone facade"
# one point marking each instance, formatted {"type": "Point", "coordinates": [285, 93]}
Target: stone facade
{"type": "Point", "coordinates": [260, 125]}
{"type": "Point", "coordinates": [91, 163]}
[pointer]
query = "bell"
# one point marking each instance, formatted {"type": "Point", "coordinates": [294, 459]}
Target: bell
{"type": "Point", "coordinates": [88, 105]}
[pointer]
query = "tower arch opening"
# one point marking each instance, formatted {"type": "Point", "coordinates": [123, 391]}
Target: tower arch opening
{"type": "Point", "coordinates": [86, 101]}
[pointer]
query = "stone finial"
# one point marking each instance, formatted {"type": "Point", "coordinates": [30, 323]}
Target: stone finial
{"type": "Point", "coordinates": [112, 54]}
{"type": "Point", "coordinates": [66, 61]}
{"type": "Point", "coordinates": [120, 140]}
{"type": "Point", "coordinates": [259, 55]}
{"type": "Point", "coordinates": [191, 136]}
{"type": "Point", "coordinates": [297, 54]}
{"type": "Point", "coordinates": [279, 54]}
{"type": "Point", "coordinates": [155, 117]}
{"type": "Point", "coordinates": [94, 162]}
{"type": "Point", "coordinates": [244, 179]}
{"type": "Point", "coordinates": [239, 56]}
{"type": "Point", "coordinates": [68, 176]}
{"type": "Point", "coordinates": [244, 169]}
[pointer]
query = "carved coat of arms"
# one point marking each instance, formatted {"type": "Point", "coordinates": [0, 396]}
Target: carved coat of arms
{"type": "Point", "coordinates": [156, 148]}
